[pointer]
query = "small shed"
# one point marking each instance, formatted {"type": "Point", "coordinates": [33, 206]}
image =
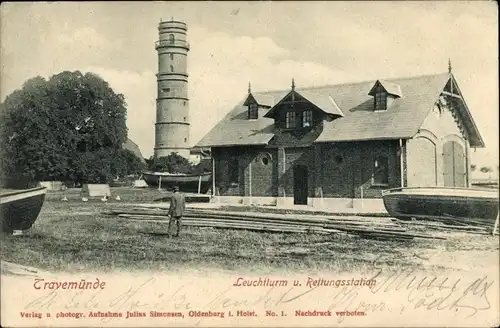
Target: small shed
{"type": "Point", "coordinates": [53, 185]}
{"type": "Point", "coordinates": [140, 183]}
{"type": "Point", "coordinates": [95, 190]}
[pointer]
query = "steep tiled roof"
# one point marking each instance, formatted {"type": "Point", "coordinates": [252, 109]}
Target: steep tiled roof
{"type": "Point", "coordinates": [261, 99]}
{"type": "Point", "coordinates": [391, 88]}
{"type": "Point", "coordinates": [323, 101]}
{"type": "Point", "coordinates": [264, 100]}
{"type": "Point", "coordinates": [235, 129]}
{"type": "Point", "coordinates": [402, 119]}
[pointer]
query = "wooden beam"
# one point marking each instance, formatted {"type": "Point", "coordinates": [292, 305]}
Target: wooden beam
{"type": "Point", "coordinates": [454, 95]}
{"type": "Point", "coordinates": [213, 175]}
{"type": "Point", "coordinates": [496, 225]}
{"type": "Point", "coordinates": [199, 185]}
{"type": "Point", "coordinates": [250, 180]}
{"type": "Point", "coordinates": [401, 163]}
{"type": "Point", "coordinates": [284, 174]}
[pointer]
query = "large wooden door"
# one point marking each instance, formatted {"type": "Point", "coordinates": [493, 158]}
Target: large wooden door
{"type": "Point", "coordinates": [454, 169]}
{"type": "Point", "coordinates": [300, 186]}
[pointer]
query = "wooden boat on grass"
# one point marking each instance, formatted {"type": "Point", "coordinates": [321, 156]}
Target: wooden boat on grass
{"type": "Point", "coordinates": [462, 205]}
{"type": "Point", "coordinates": [185, 182]}
{"type": "Point", "coordinates": [19, 209]}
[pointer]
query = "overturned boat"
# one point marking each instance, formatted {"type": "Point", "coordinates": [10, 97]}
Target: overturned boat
{"type": "Point", "coordinates": [466, 205]}
{"type": "Point", "coordinates": [186, 182]}
{"type": "Point", "coordinates": [19, 208]}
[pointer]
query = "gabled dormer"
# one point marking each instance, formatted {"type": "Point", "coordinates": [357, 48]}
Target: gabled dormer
{"type": "Point", "coordinates": [384, 93]}
{"type": "Point", "coordinates": [302, 111]}
{"type": "Point", "coordinates": [256, 101]}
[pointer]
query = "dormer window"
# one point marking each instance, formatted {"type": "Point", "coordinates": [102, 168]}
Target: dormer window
{"type": "Point", "coordinates": [307, 118]}
{"type": "Point", "coordinates": [384, 93]}
{"type": "Point", "coordinates": [290, 120]}
{"type": "Point", "coordinates": [381, 100]}
{"type": "Point", "coordinates": [256, 101]}
{"type": "Point", "coordinates": [253, 111]}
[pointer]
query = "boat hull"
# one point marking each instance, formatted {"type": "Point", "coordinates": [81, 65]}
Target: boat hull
{"type": "Point", "coordinates": [19, 209]}
{"type": "Point", "coordinates": [442, 204]}
{"type": "Point", "coordinates": [186, 183]}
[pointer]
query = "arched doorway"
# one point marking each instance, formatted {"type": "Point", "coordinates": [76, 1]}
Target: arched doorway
{"type": "Point", "coordinates": [454, 168]}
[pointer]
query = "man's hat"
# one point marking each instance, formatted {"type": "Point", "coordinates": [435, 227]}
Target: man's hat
{"type": "Point", "coordinates": [176, 188]}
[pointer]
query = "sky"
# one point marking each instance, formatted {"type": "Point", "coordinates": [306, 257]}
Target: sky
{"type": "Point", "coordinates": [265, 43]}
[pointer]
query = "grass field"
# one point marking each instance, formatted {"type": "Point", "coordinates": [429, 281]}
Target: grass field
{"type": "Point", "coordinates": [73, 236]}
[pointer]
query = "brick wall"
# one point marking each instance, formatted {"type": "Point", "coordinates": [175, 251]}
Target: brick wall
{"type": "Point", "coordinates": [253, 173]}
{"type": "Point", "coordinates": [302, 138]}
{"type": "Point", "coordinates": [298, 156]}
{"type": "Point", "coordinates": [222, 157]}
{"type": "Point", "coordinates": [348, 166]}
{"type": "Point", "coordinates": [263, 176]}
{"type": "Point", "coordinates": [336, 170]}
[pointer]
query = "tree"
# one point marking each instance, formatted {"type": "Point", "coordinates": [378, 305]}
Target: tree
{"type": "Point", "coordinates": [126, 163]}
{"type": "Point", "coordinates": [205, 166]}
{"type": "Point", "coordinates": [70, 127]}
{"type": "Point", "coordinates": [173, 163]}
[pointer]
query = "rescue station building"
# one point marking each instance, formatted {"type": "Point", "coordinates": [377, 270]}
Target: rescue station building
{"type": "Point", "coordinates": [340, 146]}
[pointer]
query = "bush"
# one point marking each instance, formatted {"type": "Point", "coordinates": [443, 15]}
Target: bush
{"type": "Point", "coordinates": [175, 163]}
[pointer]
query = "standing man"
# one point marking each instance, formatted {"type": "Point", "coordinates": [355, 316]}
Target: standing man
{"type": "Point", "coordinates": [176, 211]}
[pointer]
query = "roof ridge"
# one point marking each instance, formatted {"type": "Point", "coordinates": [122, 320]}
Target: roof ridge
{"type": "Point", "coordinates": [354, 82]}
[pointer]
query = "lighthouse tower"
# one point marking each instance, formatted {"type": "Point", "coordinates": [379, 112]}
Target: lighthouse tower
{"type": "Point", "coordinates": [172, 103]}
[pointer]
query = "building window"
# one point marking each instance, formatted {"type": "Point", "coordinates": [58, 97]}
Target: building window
{"type": "Point", "coordinates": [166, 90]}
{"type": "Point", "coordinates": [265, 158]}
{"type": "Point", "coordinates": [290, 120]}
{"type": "Point", "coordinates": [380, 100]}
{"type": "Point", "coordinates": [171, 68]}
{"type": "Point", "coordinates": [381, 171]}
{"type": "Point", "coordinates": [184, 118]}
{"type": "Point", "coordinates": [172, 38]}
{"type": "Point", "coordinates": [253, 111]}
{"type": "Point", "coordinates": [307, 118]}
{"type": "Point", "coordinates": [185, 139]}
{"type": "Point", "coordinates": [233, 171]}
{"type": "Point", "coordinates": [171, 56]}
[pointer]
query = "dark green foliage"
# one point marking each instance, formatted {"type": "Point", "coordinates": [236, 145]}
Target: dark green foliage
{"type": "Point", "coordinates": [175, 163]}
{"type": "Point", "coordinates": [127, 163]}
{"type": "Point", "coordinates": [205, 166]}
{"type": "Point", "coordinates": [70, 128]}
{"type": "Point", "coordinates": [172, 163]}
